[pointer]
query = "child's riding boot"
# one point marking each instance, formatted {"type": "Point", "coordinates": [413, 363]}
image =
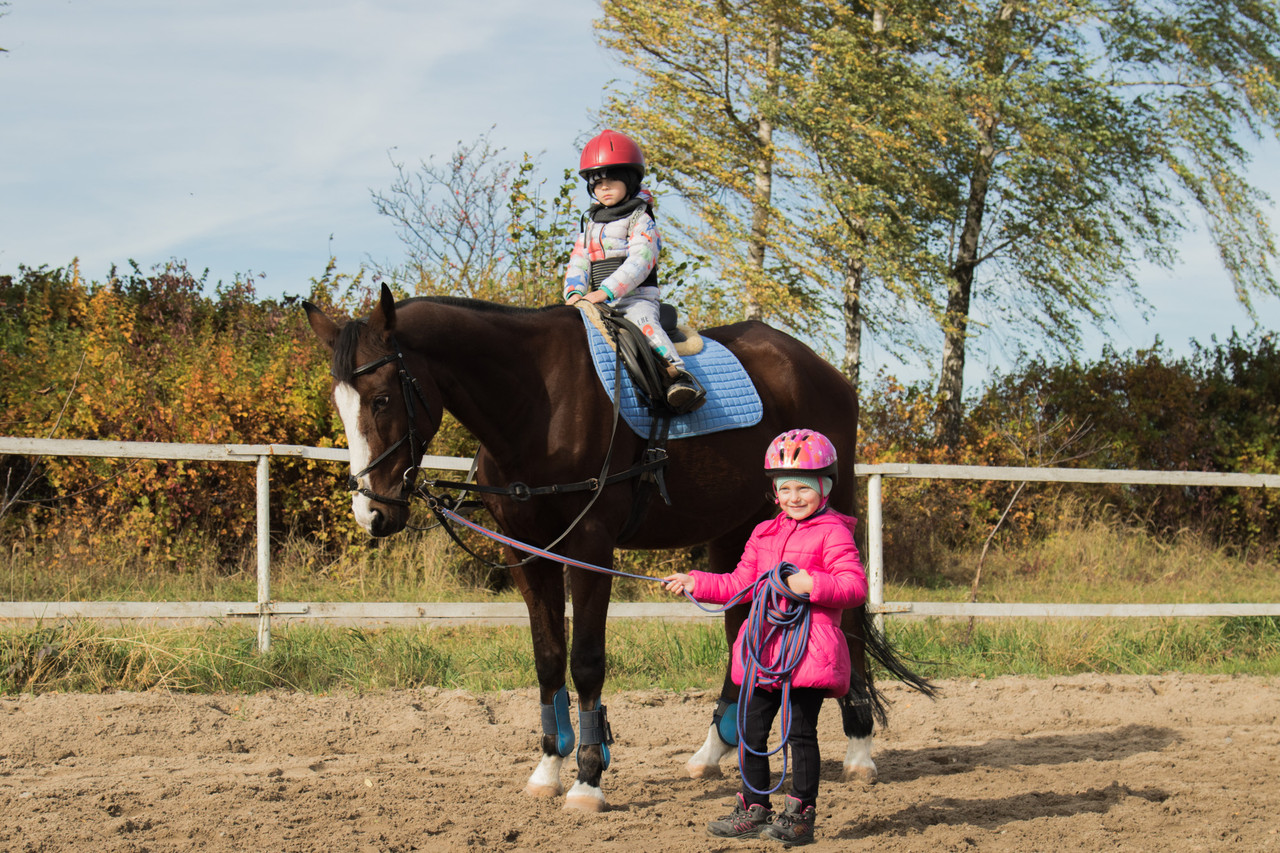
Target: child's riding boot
{"type": "Point", "coordinates": [745, 821]}
{"type": "Point", "coordinates": [684, 394]}
{"type": "Point", "coordinates": [794, 826]}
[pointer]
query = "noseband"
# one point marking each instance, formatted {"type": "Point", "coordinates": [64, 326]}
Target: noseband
{"type": "Point", "coordinates": [408, 387]}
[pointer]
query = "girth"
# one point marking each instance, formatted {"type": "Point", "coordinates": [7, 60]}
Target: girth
{"type": "Point", "coordinates": [649, 372]}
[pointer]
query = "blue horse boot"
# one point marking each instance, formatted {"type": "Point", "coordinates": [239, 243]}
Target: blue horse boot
{"type": "Point", "coordinates": [595, 730]}
{"type": "Point", "coordinates": [557, 723]}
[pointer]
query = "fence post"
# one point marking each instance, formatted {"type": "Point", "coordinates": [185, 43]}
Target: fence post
{"type": "Point", "coordinates": [875, 551]}
{"type": "Point", "coordinates": [264, 554]}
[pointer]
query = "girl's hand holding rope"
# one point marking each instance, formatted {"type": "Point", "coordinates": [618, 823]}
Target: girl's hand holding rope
{"type": "Point", "coordinates": [800, 582]}
{"type": "Point", "coordinates": [679, 583]}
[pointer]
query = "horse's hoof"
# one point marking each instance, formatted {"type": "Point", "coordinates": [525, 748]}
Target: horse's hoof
{"type": "Point", "coordinates": [545, 781]}
{"type": "Point", "coordinates": [703, 771]}
{"type": "Point", "coordinates": [858, 763]}
{"type": "Point", "coordinates": [705, 763]}
{"type": "Point", "coordinates": [543, 791]}
{"type": "Point", "coordinates": [584, 798]}
{"type": "Point", "coordinates": [857, 773]}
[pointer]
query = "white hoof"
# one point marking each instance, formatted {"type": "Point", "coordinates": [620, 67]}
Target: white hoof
{"type": "Point", "coordinates": [705, 763]}
{"type": "Point", "coordinates": [584, 798]}
{"type": "Point", "coordinates": [858, 766]}
{"type": "Point", "coordinates": [545, 781]}
{"type": "Point", "coordinates": [703, 771]}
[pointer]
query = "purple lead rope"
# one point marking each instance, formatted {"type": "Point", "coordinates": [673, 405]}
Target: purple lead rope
{"type": "Point", "coordinates": [775, 610]}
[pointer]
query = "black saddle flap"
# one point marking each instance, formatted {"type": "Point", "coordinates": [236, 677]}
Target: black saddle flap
{"type": "Point", "coordinates": [647, 369]}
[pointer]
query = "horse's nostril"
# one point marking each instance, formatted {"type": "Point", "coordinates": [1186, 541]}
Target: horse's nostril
{"type": "Point", "coordinates": [380, 525]}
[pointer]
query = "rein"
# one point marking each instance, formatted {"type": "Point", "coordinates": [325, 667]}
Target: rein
{"type": "Point", "coordinates": [775, 610]}
{"type": "Point", "coordinates": [654, 460]}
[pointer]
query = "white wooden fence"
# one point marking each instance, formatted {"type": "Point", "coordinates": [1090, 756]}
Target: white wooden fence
{"type": "Point", "coordinates": [264, 610]}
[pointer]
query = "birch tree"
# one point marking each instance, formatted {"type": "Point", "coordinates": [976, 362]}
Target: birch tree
{"type": "Point", "coordinates": [1090, 125]}
{"type": "Point", "coordinates": [872, 134]}
{"type": "Point", "coordinates": [704, 108]}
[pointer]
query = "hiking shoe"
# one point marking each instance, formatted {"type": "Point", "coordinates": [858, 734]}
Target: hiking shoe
{"type": "Point", "coordinates": [794, 826]}
{"type": "Point", "coordinates": [745, 821]}
{"type": "Point", "coordinates": [684, 395]}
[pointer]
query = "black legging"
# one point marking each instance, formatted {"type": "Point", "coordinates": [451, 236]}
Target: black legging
{"type": "Point", "coordinates": [805, 763]}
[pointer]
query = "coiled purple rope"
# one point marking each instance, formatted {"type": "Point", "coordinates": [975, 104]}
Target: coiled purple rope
{"type": "Point", "coordinates": [775, 610]}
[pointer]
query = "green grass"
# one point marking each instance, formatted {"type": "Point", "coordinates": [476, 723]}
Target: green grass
{"type": "Point", "coordinates": [1103, 563]}
{"type": "Point", "coordinates": [1087, 562]}
{"type": "Point", "coordinates": [83, 656]}
{"type": "Point", "coordinates": [411, 567]}
{"type": "Point", "coordinates": [1084, 561]}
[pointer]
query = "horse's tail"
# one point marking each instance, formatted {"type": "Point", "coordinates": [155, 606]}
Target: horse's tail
{"type": "Point", "coordinates": [880, 649]}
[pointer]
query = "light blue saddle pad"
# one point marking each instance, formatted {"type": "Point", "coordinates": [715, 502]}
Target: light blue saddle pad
{"type": "Point", "coordinates": [732, 399]}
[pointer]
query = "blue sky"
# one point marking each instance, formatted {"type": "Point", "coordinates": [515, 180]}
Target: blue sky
{"type": "Point", "coordinates": [245, 137]}
{"type": "Point", "coordinates": [241, 136]}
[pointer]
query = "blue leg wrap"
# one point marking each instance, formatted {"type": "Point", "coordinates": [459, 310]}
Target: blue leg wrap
{"type": "Point", "coordinates": [595, 729]}
{"type": "Point", "coordinates": [556, 722]}
{"type": "Point", "coordinates": [725, 719]}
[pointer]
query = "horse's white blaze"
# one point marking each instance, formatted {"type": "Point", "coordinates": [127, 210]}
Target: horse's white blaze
{"type": "Point", "coordinates": [858, 766]}
{"type": "Point", "coordinates": [545, 781]}
{"type": "Point", "coordinates": [347, 401]}
{"type": "Point", "coordinates": [705, 763]}
{"type": "Point", "coordinates": [584, 798]}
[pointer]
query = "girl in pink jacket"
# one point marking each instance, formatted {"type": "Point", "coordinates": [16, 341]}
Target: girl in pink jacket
{"type": "Point", "coordinates": [818, 541]}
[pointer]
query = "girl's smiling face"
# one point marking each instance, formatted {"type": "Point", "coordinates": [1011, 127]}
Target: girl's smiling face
{"type": "Point", "coordinates": [798, 501]}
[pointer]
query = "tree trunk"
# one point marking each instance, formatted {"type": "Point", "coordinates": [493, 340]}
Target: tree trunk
{"type": "Point", "coordinates": [955, 323]}
{"type": "Point", "coordinates": [762, 176]}
{"type": "Point", "coordinates": [853, 274]}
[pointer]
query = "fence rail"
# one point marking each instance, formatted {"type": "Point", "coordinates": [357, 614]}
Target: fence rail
{"type": "Point", "coordinates": [264, 610]}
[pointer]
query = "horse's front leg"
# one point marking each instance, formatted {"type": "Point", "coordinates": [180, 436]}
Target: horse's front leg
{"type": "Point", "coordinates": [542, 584]}
{"type": "Point", "coordinates": [722, 735]}
{"type": "Point", "coordinates": [587, 664]}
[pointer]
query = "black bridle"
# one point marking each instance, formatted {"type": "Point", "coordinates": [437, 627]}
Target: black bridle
{"type": "Point", "coordinates": [653, 461]}
{"type": "Point", "coordinates": [417, 446]}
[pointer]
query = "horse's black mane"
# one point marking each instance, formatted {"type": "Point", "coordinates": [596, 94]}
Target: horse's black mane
{"type": "Point", "coordinates": [477, 305]}
{"type": "Point", "coordinates": [344, 351]}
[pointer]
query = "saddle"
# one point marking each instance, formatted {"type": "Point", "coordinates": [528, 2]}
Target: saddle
{"type": "Point", "coordinates": [647, 369]}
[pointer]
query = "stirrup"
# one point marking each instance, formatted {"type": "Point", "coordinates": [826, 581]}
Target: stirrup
{"type": "Point", "coordinates": [685, 394]}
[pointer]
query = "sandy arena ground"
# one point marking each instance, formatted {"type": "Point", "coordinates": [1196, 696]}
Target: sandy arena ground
{"type": "Point", "coordinates": [1116, 763]}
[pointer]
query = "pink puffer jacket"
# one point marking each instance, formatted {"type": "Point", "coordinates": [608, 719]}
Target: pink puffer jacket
{"type": "Point", "coordinates": [822, 545]}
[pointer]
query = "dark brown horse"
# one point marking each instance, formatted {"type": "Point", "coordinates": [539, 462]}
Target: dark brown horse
{"type": "Point", "coordinates": [522, 382]}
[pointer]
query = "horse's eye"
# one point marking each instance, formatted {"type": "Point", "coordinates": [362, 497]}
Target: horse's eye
{"type": "Point", "coordinates": [380, 403]}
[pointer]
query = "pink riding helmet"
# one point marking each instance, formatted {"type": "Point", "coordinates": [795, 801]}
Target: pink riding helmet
{"type": "Point", "coordinates": [803, 452]}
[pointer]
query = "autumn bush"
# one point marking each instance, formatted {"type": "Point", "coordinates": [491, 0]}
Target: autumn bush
{"type": "Point", "coordinates": [1216, 410]}
{"type": "Point", "coordinates": [152, 357]}
{"type": "Point", "coordinates": [162, 356]}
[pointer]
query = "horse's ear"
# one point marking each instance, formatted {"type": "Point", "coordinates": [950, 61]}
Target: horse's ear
{"type": "Point", "coordinates": [384, 313]}
{"type": "Point", "coordinates": [326, 330]}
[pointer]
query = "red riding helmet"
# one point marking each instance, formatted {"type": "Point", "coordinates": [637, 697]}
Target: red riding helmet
{"type": "Point", "coordinates": [611, 148]}
{"type": "Point", "coordinates": [802, 452]}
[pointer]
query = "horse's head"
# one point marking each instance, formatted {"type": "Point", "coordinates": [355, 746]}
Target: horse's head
{"type": "Point", "coordinates": [387, 416]}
